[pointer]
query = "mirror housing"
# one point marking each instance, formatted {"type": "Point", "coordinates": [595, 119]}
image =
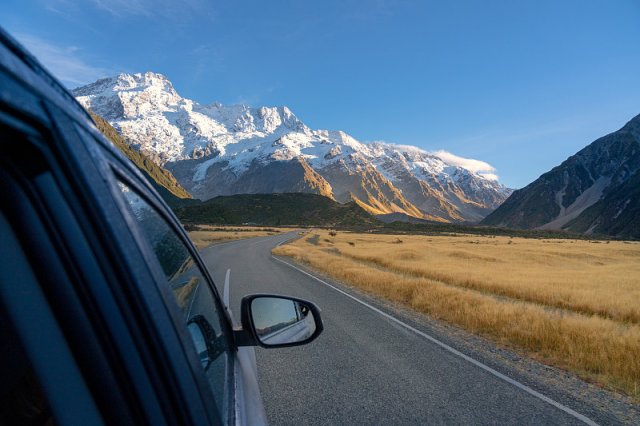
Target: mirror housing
{"type": "Point", "coordinates": [274, 321]}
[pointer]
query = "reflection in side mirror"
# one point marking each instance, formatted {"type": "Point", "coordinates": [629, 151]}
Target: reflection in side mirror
{"type": "Point", "coordinates": [200, 343]}
{"type": "Point", "coordinates": [283, 321]}
{"type": "Point", "coordinates": [208, 345]}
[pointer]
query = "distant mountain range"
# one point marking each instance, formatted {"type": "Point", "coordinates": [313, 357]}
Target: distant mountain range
{"type": "Point", "coordinates": [215, 150]}
{"type": "Point", "coordinates": [596, 191]}
{"type": "Point", "coordinates": [256, 209]}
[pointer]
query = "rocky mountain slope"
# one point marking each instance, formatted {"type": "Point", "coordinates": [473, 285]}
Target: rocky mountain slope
{"type": "Point", "coordinates": [596, 190]}
{"type": "Point", "coordinates": [217, 150]}
{"type": "Point", "coordinates": [164, 182]}
{"type": "Point", "coordinates": [298, 209]}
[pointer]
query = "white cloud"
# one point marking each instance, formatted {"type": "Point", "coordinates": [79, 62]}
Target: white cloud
{"type": "Point", "coordinates": [63, 62]}
{"type": "Point", "coordinates": [489, 176]}
{"type": "Point", "coordinates": [477, 166]}
{"type": "Point", "coordinates": [406, 148]}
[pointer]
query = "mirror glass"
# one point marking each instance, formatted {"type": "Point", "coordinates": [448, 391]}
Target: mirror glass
{"type": "Point", "coordinates": [281, 321]}
{"type": "Point", "coordinates": [200, 343]}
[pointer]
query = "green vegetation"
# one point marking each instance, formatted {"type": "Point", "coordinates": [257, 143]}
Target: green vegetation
{"type": "Point", "coordinates": [301, 209]}
{"type": "Point", "coordinates": [164, 182]}
{"type": "Point", "coordinates": [275, 209]}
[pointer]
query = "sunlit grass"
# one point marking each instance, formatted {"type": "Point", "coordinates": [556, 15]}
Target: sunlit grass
{"type": "Point", "coordinates": [184, 292]}
{"type": "Point", "coordinates": [206, 235]}
{"type": "Point", "coordinates": [575, 304]}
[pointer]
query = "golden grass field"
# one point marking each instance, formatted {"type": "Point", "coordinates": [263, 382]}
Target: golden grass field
{"type": "Point", "coordinates": [205, 235]}
{"type": "Point", "coordinates": [574, 304]}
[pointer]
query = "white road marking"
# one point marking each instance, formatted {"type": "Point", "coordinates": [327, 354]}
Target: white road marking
{"type": "Point", "coordinates": [453, 351]}
{"type": "Point", "coordinates": [193, 299]}
{"type": "Point", "coordinates": [225, 293]}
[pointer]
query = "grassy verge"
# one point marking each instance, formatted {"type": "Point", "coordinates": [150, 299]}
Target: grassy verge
{"type": "Point", "coordinates": [206, 235]}
{"type": "Point", "coordinates": [575, 304]}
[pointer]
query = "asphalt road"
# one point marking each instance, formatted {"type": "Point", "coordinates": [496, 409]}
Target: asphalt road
{"type": "Point", "coordinates": [367, 367]}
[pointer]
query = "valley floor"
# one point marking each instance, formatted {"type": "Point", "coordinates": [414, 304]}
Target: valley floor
{"type": "Point", "coordinates": [206, 235]}
{"type": "Point", "coordinates": [573, 304]}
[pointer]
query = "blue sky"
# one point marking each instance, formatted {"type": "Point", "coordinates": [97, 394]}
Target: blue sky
{"type": "Point", "coordinates": [520, 85]}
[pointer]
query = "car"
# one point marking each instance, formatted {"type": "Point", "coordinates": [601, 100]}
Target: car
{"type": "Point", "coordinates": [108, 314]}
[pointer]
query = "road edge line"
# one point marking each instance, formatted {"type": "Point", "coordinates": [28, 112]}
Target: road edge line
{"type": "Point", "coordinates": [454, 351]}
{"type": "Point", "coordinates": [193, 298]}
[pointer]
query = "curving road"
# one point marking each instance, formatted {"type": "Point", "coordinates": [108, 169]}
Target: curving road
{"type": "Point", "coordinates": [373, 365]}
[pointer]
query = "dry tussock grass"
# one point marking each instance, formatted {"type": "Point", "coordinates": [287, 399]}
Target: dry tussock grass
{"type": "Point", "coordinates": [183, 293]}
{"type": "Point", "coordinates": [572, 303]}
{"type": "Point", "coordinates": [205, 235]}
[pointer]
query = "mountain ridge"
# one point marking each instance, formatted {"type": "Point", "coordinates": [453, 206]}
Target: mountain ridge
{"type": "Point", "coordinates": [222, 150]}
{"type": "Point", "coordinates": [164, 182]}
{"type": "Point", "coordinates": [595, 191]}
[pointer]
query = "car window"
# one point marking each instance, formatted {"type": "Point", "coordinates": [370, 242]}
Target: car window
{"type": "Point", "coordinates": [201, 311]}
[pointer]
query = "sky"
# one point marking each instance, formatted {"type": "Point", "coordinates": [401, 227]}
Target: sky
{"type": "Point", "coordinates": [517, 85]}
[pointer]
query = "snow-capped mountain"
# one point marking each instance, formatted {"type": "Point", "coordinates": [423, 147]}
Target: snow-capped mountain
{"type": "Point", "coordinates": [221, 150]}
{"type": "Point", "coordinates": [597, 190]}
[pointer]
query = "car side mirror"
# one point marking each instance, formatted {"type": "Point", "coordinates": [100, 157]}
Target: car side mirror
{"type": "Point", "coordinates": [273, 321]}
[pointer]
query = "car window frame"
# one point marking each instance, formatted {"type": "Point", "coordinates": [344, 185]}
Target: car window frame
{"type": "Point", "coordinates": [182, 399]}
{"type": "Point", "coordinates": [122, 175]}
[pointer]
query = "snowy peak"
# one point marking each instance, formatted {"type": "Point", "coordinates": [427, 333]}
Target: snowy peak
{"type": "Point", "coordinates": [129, 95]}
{"type": "Point", "coordinates": [267, 120]}
{"type": "Point", "coordinates": [274, 117]}
{"type": "Point", "coordinates": [216, 149]}
{"type": "Point", "coordinates": [127, 82]}
{"type": "Point", "coordinates": [142, 81]}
